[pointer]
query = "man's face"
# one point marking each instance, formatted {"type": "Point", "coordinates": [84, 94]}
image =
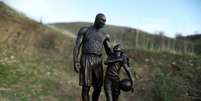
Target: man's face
{"type": "Point", "coordinates": [100, 21]}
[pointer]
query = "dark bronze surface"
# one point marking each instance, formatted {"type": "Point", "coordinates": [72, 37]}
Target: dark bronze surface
{"type": "Point", "coordinates": [90, 41]}
{"type": "Point", "coordinates": [114, 63]}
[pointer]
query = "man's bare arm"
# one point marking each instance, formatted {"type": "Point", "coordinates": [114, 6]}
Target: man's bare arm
{"type": "Point", "coordinates": [76, 50]}
{"type": "Point", "coordinates": [108, 46]}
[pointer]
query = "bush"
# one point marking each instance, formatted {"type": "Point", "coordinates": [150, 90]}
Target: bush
{"type": "Point", "coordinates": [166, 86]}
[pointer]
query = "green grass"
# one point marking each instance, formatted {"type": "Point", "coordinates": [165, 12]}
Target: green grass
{"type": "Point", "coordinates": [34, 77]}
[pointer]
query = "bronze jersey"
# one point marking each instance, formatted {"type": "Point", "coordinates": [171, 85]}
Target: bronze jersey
{"type": "Point", "coordinates": [93, 41]}
{"type": "Point", "coordinates": [114, 65]}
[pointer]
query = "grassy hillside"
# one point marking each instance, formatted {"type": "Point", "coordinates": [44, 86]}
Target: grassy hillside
{"type": "Point", "coordinates": [36, 65]}
{"type": "Point", "coordinates": [35, 61]}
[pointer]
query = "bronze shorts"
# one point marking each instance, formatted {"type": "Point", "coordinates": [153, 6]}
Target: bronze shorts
{"type": "Point", "coordinates": [91, 71]}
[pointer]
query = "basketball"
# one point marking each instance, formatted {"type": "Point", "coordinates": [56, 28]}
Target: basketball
{"type": "Point", "coordinates": [125, 85]}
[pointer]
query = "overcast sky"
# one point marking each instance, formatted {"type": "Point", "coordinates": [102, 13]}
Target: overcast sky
{"type": "Point", "coordinates": [170, 16]}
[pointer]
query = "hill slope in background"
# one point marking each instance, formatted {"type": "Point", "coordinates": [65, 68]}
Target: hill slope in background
{"type": "Point", "coordinates": [36, 65]}
{"type": "Point", "coordinates": [196, 39]}
{"type": "Point", "coordinates": [136, 39]}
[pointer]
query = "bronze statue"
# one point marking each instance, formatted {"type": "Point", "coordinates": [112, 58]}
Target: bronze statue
{"type": "Point", "coordinates": [92, 40]}
{"type": "Point", "coordinates": [112, 84]}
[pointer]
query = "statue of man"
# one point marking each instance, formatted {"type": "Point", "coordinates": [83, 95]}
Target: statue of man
{"type": "Point", "coordinates": [92, 40]}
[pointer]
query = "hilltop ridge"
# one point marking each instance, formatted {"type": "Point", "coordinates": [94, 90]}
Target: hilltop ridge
{"type": "Point", "coordinates": [136, 38]}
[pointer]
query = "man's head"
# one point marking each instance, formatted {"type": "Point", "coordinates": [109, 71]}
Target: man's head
{"type": "Point", "coordinates": [100, 20]}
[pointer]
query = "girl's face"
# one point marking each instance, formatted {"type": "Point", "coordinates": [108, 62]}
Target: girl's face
{"type": "Point", "coordinates": [118, 53]}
